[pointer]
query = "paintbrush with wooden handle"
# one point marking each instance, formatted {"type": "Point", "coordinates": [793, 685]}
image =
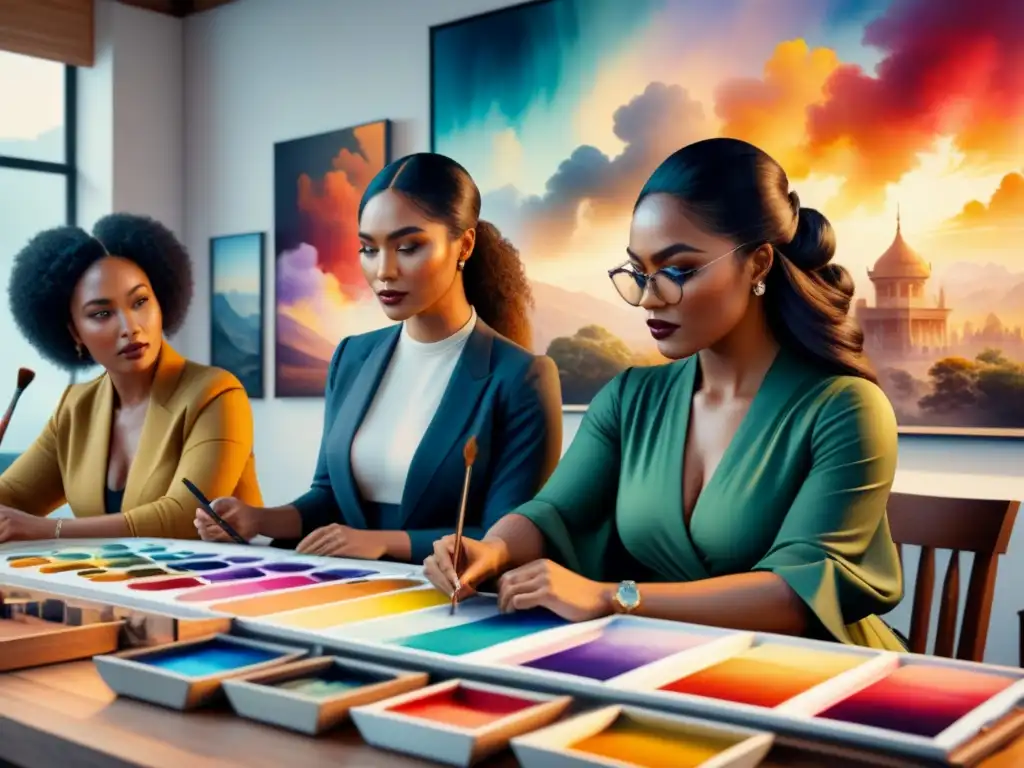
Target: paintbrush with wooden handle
{"type": "Point", "coordinates": [469, 454]}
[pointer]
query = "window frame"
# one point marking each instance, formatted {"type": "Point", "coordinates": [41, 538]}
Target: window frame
{"type": "Point", "coordinates": [69, 168]}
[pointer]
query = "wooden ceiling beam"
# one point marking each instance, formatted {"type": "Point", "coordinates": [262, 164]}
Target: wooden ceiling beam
{"type": "Point", "coordinates": [58, 30]}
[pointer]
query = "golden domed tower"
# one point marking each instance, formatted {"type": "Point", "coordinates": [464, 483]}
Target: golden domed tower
{"type": "Point", "coordinates": [903, 319]}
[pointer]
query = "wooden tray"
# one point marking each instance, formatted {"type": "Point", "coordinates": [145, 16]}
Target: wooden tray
{"type": "Point", "coordinates": [32, 642]}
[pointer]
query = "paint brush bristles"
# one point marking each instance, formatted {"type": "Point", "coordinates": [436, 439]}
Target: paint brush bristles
{"type": "Point", "coordinates": [469, 454]}
{"type": "Point", "coordinates": [25, 377]}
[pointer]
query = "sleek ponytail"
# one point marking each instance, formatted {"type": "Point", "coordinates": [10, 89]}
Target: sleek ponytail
{"type": "Point", "coordinates": [493, 277]}
{"type": "Point", "coordinates": [738, 191]}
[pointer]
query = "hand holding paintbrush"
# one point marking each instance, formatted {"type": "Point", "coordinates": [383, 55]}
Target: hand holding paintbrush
{"type": "Point", "coordinates": [469, 454]}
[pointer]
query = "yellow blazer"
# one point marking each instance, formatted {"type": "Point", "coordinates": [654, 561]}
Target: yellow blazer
{"type": "Point", "coordinates": [199, 425]}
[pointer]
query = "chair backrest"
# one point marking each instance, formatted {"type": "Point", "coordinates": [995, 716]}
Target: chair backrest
{"type": "Point", "coordinates": [6, 459]}
{"type": "Point", "coordinates": [979, 526]}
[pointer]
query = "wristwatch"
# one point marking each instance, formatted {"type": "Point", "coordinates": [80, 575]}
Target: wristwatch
{"type": "Point", "coordinates": [627, 597]}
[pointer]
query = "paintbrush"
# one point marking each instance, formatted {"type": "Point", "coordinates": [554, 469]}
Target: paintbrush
{"type": "Point", "coordinates": [469, 454]}
{"type": "Point", "coordinates": [208, 508]}
{"type": "Point", "coordinates": [25, 377]}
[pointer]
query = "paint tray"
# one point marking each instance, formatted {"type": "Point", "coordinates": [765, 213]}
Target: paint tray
{"type": "Point", "coordinates": [37, 631]}
{"type": "Point", "coordinates": [314, 695]}
{"type": "Point", "coordinates": [629, 737]}
{"type": "Point", "coordinates": [456, 722]}
{"type": "Point", "coordinates": [185, 675]}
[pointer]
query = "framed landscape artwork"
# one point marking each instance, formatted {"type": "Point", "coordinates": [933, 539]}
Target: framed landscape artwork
{"type": "Point", "coordinates": [900, 120]}
{"type": "Point", "coordinates": [236, 307]}
{"type": "Point", "coordinates": [321, 295]}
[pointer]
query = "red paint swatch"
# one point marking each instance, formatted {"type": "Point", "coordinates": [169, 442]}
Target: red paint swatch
{"type": "Point", "coordinates": [243, 588]}
{"type": "Point", "coordinates": [462, 707]}
{"type": "Point", "coordinates": [162, 585]}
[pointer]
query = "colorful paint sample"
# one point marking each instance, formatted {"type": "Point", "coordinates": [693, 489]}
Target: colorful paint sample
{"type": "Point", "coordinates": [331, 681]}
{"type": "Point", "coordinates": [242, 559]}
{"type": "Point", "coordinates": [265, 605]}
{"type": "Point", "coordinates": [766, 675]}
{"type": "Point", "coordinates": [79, 565]}
{"type": "Point", "coordinates": [286, 566]}
{"type": "Point", "coordinates": [212, 657]}
{"type": "Point", "coordinates": [619, 647]}
{"type": "Point", "coordinates": [475, 636]}
{"type": "Point", "coordinates": [166, 585]}
{"type": "Point", "coordinates": [919, 699]}
{"type": "Point", "coordinates": [135, 573]}
{"type": "Point", "coordinates": [200, 565]}
{"type": "Point", "coordinates": [30, 561]}
{"type": "Point", "coordinates": [337, 614]}
{"type": "Point", "coordinates": [462, 707]}
{"type": "Point", "coordinates": [234, 574]}
{"type": "Point", "coordinates": [632, 742]}
{"type": "Point", "coordinates": [340, 574]}
{"type": "Point", "coordinates": [243, 588]}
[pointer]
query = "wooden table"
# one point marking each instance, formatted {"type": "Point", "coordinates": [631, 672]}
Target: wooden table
{"type": "Point", "coordinates": [65, 716]}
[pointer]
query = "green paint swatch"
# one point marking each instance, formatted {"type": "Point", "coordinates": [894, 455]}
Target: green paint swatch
{"type": "Point", "coordinates": [319, 688]}
{"type": "Point", "coordinates": [478, 635]}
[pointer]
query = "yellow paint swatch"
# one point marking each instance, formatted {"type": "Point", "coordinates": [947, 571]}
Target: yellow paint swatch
{"type": "Point", "coordinates": [77, 565]}
{"type": "Point", "coordinates": [652, 746]}
{"type": "Point", "coordinates": [336, 614]}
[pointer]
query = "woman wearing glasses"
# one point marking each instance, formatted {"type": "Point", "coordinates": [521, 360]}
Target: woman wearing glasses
{"type": "Point", "coordinates": [744, 485]}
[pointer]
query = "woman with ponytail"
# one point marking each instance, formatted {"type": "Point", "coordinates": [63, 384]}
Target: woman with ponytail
{"type": "Point", "coordinates": [744, 485]}
{"type": "Point", "coordinates": [402, 402]}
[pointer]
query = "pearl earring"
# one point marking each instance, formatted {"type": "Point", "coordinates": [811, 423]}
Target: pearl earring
{"type": "Point", "coordinates": [759, 288]}
{"type": "Point", "coordinates": [461, 265]}
{"type": "Point", "coordinates": [81, 353]}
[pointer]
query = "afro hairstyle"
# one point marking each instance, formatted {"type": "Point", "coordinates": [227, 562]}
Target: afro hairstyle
{"type": "Point", "coordinates": [48, 269]}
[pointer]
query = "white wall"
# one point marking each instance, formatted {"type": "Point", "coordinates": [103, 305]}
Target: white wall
{"type": "Point", "coordinates": [260, 71]}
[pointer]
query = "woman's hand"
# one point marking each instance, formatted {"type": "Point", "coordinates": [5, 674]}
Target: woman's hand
{"type": "Point", "coordinates": [341, 541]}
{"type": "Point", "coordinates": [544, 584]}
{"type": "Point", "coordinates": [478, 562]}
{"type": "Point", "coordinates": [16, 525]}
{"type": "Point", "coordinates": [239, 515]}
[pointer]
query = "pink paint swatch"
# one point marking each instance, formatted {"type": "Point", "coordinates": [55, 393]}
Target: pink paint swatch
{"type": "Point", "coordinates": [244, 588]}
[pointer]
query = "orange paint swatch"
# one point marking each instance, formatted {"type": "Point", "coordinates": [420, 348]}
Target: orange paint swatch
{"type": "Point", "coordinates": [461, 707]}
{"type": "Point", "coordinates": [28, 562]}
{"type": "Point", "coordinates": [766, 675]}
{"type": "Point", "coordinates": [77, 565]}
{"type": "Point", "coordinates": [337, 614]}
{"type": "Point", "coordinates": [265, 605]}
{"type": "Point", "coordinates": [654, 746]}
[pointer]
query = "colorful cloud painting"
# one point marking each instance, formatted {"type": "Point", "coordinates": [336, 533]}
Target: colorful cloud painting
{"type": "Point", "coordinates": [321, 295]}
{"type": "Point", "coordinates": [901, 120]}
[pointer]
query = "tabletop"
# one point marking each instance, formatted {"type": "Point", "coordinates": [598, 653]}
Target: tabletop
{"type": "Point", "coordinates": [65, 715]}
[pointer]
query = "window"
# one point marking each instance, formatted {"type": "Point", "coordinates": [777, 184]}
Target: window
{"type": "Point", "coordinates": [37, 191]}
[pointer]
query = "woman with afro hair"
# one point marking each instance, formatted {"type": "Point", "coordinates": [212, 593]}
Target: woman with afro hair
{"type": "Point", "coordinates": [117, 448]}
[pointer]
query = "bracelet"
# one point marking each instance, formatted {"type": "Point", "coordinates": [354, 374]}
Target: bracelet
{"type": "Point", "coordinates": [56, 532]}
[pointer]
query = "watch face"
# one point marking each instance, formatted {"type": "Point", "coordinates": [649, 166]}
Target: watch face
{"type": "Point", "coordinates": [628, 594]}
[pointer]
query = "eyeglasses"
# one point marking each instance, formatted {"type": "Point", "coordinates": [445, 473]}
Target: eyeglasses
{"type": "Point", "coordinates": [667, 283]}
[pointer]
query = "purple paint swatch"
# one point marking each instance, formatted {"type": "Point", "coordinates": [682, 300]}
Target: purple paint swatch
{"type": "Point", "coordinates": [287, 567]}
{"type": "Point", "coordinates": [340, 574]}
{"type": "Point", "coordinates": [234, 574]}
{"type": "Point", "coordinates": [242, 559]}
{"type": "Point", "coordinates": [620, 648]}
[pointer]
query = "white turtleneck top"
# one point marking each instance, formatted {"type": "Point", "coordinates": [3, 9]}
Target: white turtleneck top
{"type": "Point", "coordinates": [406, 401]}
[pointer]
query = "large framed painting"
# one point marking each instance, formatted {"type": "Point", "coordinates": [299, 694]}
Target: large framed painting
{"type": "Point", "coordinates": [236, 307]}
{"type": "Point", "coordinates": [901, 120]}
{"type": "Point", "coordinates": [320, 293]}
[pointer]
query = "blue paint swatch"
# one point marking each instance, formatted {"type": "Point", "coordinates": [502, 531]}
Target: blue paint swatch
{"type": "Point", "coordinates": [210, 658]}
{"type": "Point", "coordinates": [287, 567]}
{"type": "Point", "coordinates": [242, 559]}
{"type": "Point", "coordinates": [200, 565]}
{"type": "Point", "coordinates": [115, 548]}
{"type": "Point", "coordinates": [478, 635]}
{"type": "Point", "coordinates": [340, 574]}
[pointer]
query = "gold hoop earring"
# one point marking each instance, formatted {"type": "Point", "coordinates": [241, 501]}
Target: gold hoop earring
{"type": "Point", "coordinates": [759, 288]}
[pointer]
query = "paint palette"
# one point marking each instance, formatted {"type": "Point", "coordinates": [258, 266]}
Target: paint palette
{"type": "Point", "coordinates": [456, 722]}
{"type": "Point", "coordinates": [314, 695]}
{"type": "Point", "coordinates": [183, 578]}
{"type": "Point", "coordinates": [186, 675]}
{"type": "Point", "coordinates": [627, 737]}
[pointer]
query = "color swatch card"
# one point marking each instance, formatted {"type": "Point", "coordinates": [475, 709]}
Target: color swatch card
{"type": "Point", "coordinates": [177, 577]}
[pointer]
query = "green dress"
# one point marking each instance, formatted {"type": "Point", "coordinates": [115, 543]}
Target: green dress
{"type": "Point", "coordinates": [801, 492]}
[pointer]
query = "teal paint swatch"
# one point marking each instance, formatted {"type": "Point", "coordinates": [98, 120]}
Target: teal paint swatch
{"type": "Point", "coordinates": [316, 688]}
{"type": "Point", "coordinates": [72, 556]}
{"type": "Point", "coordinates": [478, 635]}
{"type": "Point", "coordinates": [209, 658]}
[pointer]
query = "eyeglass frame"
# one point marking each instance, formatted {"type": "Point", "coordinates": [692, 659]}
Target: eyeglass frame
{"type": "Point", "coordinates": [680, 278]}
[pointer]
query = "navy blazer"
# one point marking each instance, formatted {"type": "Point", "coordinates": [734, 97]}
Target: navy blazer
{"type": "Point", "coordinates": [501, 393]}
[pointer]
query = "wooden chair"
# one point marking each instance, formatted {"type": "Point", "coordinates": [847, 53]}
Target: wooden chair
{"type": "Point", "coordinates": [979, 526]}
